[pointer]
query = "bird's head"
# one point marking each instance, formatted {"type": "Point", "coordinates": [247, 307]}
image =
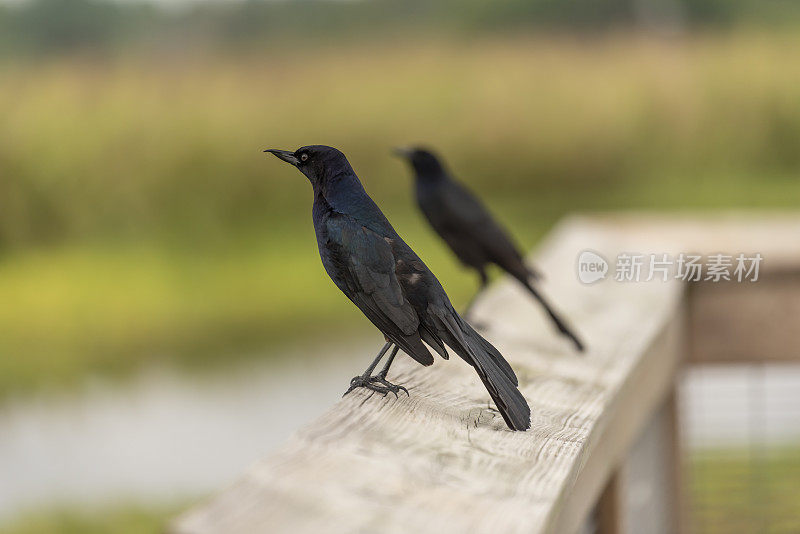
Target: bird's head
{"type": "Point", "coordinates": [317, 162]}
{"type": "Point", "coordinates": [424, 162]}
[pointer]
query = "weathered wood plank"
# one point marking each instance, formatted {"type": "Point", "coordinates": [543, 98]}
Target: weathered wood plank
{"type": "Point", "coordinates": [442, 459]}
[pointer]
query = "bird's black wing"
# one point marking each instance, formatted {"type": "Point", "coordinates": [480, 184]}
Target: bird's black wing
{"type": "Point", "coordinates": [472, 220]}
{"type": "Point", "coordinates": [366, 274]}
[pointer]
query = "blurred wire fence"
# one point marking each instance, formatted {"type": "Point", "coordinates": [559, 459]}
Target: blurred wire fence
{"type": "Point", "coordinates": [742, 434]}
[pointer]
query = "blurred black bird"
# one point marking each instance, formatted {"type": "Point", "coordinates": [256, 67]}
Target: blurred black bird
{"type": "Point", "coordinates": [371, 264]}
{"type": "Point", "coordinates": [466, 226]}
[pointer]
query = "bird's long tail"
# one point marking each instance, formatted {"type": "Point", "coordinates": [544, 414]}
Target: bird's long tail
{"type": "Point", "coordinates": [494, 371]}
{"type": "Point", "coordinates": [558, 321]}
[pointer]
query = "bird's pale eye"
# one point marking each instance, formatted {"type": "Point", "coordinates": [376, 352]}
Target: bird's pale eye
{"type": "Point", "coordinates": [304, 157]}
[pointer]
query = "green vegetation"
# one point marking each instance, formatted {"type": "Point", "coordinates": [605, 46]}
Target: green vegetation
{"type": "Point", "coordinates": [153, 147]}
{"type": "Point", "coordinates": [52, 27]}
{"type": "Point", "coordinates": [742, 491]}
{"type": "Point", "coordinates": [140, 222]}
{"type": "Point", "coordinates": [131, 519]}
{"type": "Point", "coordinates": [110, 309]}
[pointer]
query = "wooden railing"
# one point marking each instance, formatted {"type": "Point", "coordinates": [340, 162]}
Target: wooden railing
{"type": "Point", "coordinates": [442, 460]}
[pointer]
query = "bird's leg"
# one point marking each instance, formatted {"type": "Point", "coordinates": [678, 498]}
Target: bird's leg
{"type": "Point", "coordinates": [381, 377]}
{"type": "Point", "coordinates": [375, 383]}
{"type": "Point", "coordinates": [484, 281]}
{"type": "Point", "coordinates": [374, 363]}
{"type": "Point", "coordinates": [388, 363]}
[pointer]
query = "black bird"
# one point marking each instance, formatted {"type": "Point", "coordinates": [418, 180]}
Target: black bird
{"type": "Point", "coordinates": [463, 222]}
{"type": "Point", "coordinates": [372, 265]}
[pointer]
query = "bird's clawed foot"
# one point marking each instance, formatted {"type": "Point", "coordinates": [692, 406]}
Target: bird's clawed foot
{"type": "Point", "coordinates": [376, 383]}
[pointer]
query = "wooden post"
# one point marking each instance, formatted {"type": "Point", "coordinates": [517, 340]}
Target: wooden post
{"type": "Point", "coordinates": [608, 519]}
{"type": "Point", "coordinates": [675, 464]}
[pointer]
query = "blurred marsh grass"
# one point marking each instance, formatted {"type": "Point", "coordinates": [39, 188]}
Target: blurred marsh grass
{"type": "Point", "coordinates": [121, 519]}
{"type": "Point", "coordinates": [743, 491]}
{"type": "Point", "coordinates": [140, 222]}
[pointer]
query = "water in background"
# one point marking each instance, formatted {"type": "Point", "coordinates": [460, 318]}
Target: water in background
{"type": "Point", "coordinates": [165, 436]}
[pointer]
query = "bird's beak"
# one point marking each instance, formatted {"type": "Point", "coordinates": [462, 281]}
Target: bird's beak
{"type": "Point", "coordinates": [402, 151]}
{"type": "Point", "coordinates": [285, 155]}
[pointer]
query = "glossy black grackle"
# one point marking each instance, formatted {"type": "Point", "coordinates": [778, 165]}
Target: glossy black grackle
{"type": "Point", "coordinates": [372, 265]}
{"type": "Point", "coordinates": [466, 226]}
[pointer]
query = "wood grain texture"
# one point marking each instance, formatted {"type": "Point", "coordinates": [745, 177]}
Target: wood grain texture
{"type": "Point", "coordinates": [442, 460]}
